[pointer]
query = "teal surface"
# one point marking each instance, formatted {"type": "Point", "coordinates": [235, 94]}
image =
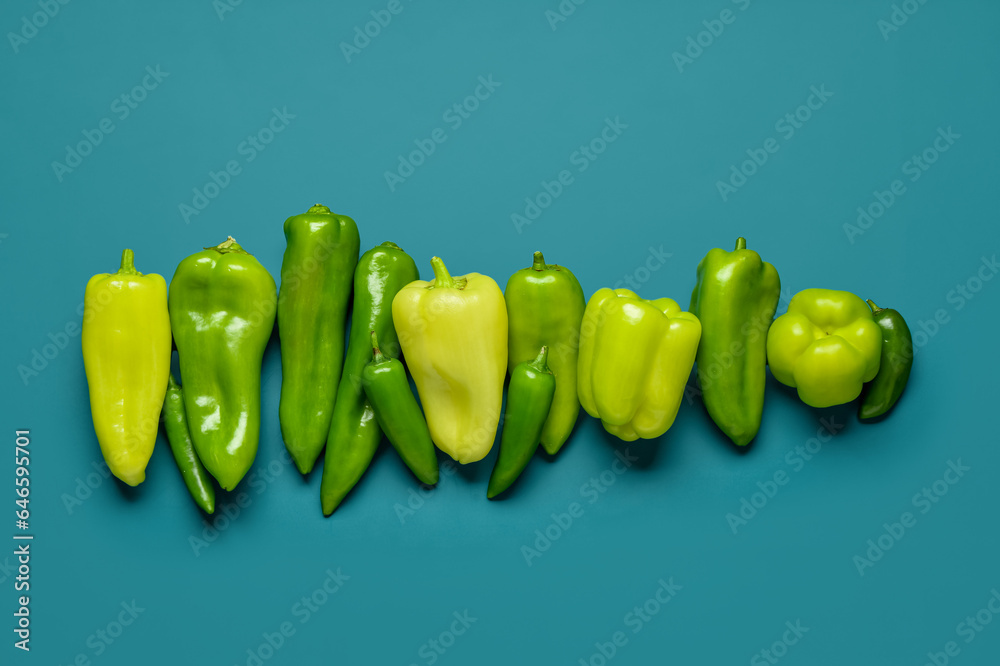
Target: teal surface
{"type": "Point", "coordinates": [854, 144]}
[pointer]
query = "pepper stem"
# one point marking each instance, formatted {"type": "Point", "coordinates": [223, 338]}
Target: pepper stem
{"type": "Point", "coordinates": [741, 243]}
{"type": "Point", "coordinates": [227, 246]}
{"type": "Point", "coordinates": [442, 278]}
{"type": "Point", "coordinates": [318, 209]}
{"type": "Point", "coordinates": [128, 263]}
{"type": "Point", "coordinates": [538, 262]}
{"type": "Point", "coordinates": [540, 363]}
{"type": "Point", "coordinates": [872, 305]}
{"type": "Point", "coordinates": [377, 354]}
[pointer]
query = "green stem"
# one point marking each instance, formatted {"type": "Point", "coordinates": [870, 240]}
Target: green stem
{"type": "Point", "coordinates": [442, 278]}
{"type": "Point", "coordinates": [741, 243]}
{"type": "Point", "coordinates": [538, 262]}
{"type": "Point", "coordinates": [227, 246]}
{"type": "Point", "coordinates": [128, 263]}
{"type": "Point", "coordinates": [871, 304]}
{"type": "Point", "coordinates": [392, 245]}
{"type": "Point", "coordinates": [540, 363]}
{"type": "Point", "coordinates": [318, 209]}
{"type": "Point", "coordinates": [376, 352]}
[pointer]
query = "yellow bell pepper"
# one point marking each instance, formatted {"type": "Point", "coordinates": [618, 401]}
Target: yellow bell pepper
{"type": "Point", "coordinates": [635, 359]}
{"type": "Point", "coordinates": [453, 333]}
{"type": "Point", "coordinates": [126, 355]}
{"type": "Point", "coordinates": [827, 345]}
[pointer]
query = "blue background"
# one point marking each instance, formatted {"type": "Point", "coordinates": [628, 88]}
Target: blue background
{"type": "Point", "coordinates": [653, 188]}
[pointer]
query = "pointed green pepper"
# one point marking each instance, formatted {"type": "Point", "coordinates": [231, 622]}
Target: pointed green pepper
{"type": "Point", "coordinates": [545, 305]}
{"type": "Point", "coordinates": [354, 433]}
{"type": "Point", "coordinates": [880, 394]}
{"type": "Point", "coordinates": [398, 414]}
{"type": "Point", "coordinates": [196, 478]}
{"type": "Point", "coordinates": [316, 273]}
{"type": "Point", "coordinates": [222, 303]}
{"type": "Point", "coordinates": [734, 298]}
{"type": "Point", "coordinates": [529, 398]}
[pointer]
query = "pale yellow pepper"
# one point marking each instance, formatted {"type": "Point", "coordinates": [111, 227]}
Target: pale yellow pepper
{"type": "Point", "coordinates": [126, 355]}
{"type": "Point", "coordinates": [635, 359]}
{"type": "Point", "coordinates": [453, 333]}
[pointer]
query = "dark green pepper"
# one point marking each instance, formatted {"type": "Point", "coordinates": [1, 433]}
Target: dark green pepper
{"type": "Point", "coordinates": [398, 414]}
{"type": "Point", "coordinates": [354, 433]}
{"type": "Point", "coordinates": [881, 394]}
{"type": "Point", "coordinates": [545, 306]}
{"type": "Point", "coordinates": [316, 272]}
{"type": "Point", "coordinates": [529, 397]}
{"type": "Point", "coordinates": [734, 298]}
{"type": "Point", "coordinates": [222, 303]}
{"type": "Point", "coordinates": [196, 478]}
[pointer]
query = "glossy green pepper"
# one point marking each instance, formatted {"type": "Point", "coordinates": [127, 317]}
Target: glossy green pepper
{"type": "Point", "coordinates": [354, 432]}
{"type": "Point", "coordinates": [316, 273]}
{"type": "Point", "coordinates": [826, 345]}
{"type": "Point", "coordinates": [734, 298]}
{"type": "Point", "coordinates": [195, 476]}
{"type": "Point", "coordinates": [530, 395]}
{"type": "Point", "coordinates": [222, 303]}
{"type": "Point", "coordinates": [398, 414]}
{"type": "Point", "coordinates": [545, 305]}
{"type": "Point", "coordinates": [881, 394]}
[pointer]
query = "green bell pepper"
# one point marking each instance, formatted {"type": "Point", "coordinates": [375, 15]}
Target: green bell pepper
{"type": "Point", "coordinates": [545, 305]}
{"type": "Point", "coordinates": [354, 432]}
{"type": "Point", "coordinates": [316, 273]}
{"type": "Point", "coordinates": [222, 303]}
{"type": "Point", "coordinates": [734, 298]}
{"type": "Point", "coordinates": [827, 345]}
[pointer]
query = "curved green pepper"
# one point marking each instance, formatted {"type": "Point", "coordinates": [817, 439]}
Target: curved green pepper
{"type": "Point", "coordinates": [398, 414]}
{"type": "Point", "coordinates": [354, 433]}
{"type": "Point", "coordinates": [316, 273]}
{"type": "Point", "coordinates": [222, 303]}
{"type": "Point", "coordinates": [881, 394]}
{"type": "Point", "coordinates": [545, 305]}
{"type": "Point", "coordinates": [197, 480]}
{"type": "Point", "coordinates": [529, 397]}
{"type": "Point", "coordinates": [734, 298]}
